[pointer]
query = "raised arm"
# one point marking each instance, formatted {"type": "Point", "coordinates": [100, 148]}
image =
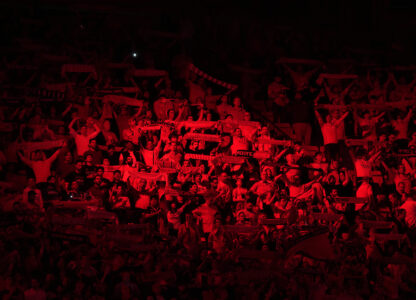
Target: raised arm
{"type": "Point", "coordinates": [292, 73]}
{"type": "Point", "coordinates": [392, 78]}
{"type": "Point", "coordinates": [139, 111]}
{"type": "Point", "coordinates": [347, 89]}
{"type": "Point", "coordinates": [380, 115]}
{"type": "Point", "coordinates": [70, 126]}
{"type": "Point", "coordinates": [409, 115]}
{"type": "Point", "coordinates": [319, 96]}
{"type": "Point", "coordinates": [56, 153]}
{"type": "Point", "coordinates": [328, 91]}
{"type": "Point", "coordinates": [374, 156]}
{"type": "Point", "coordinates": [310, 73]}
{"type": "Point", "coordinates": [281, 153]}
{"type": "Point", "coordinates": [318, 116]}
{"type": "Point", "coordinates": [342, 118]}
{"type": "Point", "coordinates": [96, 132]}
{"type": "Point", "coordinates": [24, 159]}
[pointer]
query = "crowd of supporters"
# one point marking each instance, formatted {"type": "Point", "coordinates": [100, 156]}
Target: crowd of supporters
{"type": "Point", "coordinates": [318, 202]}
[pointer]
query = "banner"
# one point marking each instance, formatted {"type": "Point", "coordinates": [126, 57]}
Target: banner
{"type": "Point", "coordinates": [78, 68]}
{"type": "Point", "coordinates": [381, 106]}
{"type": "Point", "coordinates": [286, 60]}
{"type": "Point", "coordinates": [198, 156]}
{"type": "Point", "coordinates": [336, 76]}
{"type": "Point", "coordinates": [229, 86]}
{"type": "Point", "coordinates": [202, 137]}
{"type": "Point", "coordinates": [317, 246]}
{"type": "Point", "coordinates": [198, 124]}
{"type": "Point", "coordinates": [273, 142]}
{"type": "Point", "coordinates": [55, 58]}
{"type": "Point", "coordinates": [191, 170]}
{"type": "Point", "coordinates": [256, 155]}
{"type": "Point", "coordinates": [33, 146]}
{"type": "Point", "coordinates": [148, 73]}
{"type": "Point", "coordinates": [13, 66]}
{"type": "Point", "coordinates": [377, 224]}
{"type": "Point", "coordinates": [382, 237]}
{"type": "Point", "coordinates": [280, 221]}
{"type": "Point", "coordinates": [48, 94]}
{"type": "Point", "coordinates": [151, 128]}
{"type": "Point", "coordinates": [119, 66]}
{"type": "Point", "coordinates": [351, 200]}
{"type": "Point", "coordinates": [325, 217]}
{"type": "Point", "coordinates": [122, 100]}
{"type": "Point", "coordinates": [149, 176]}
{"type": "Point", "coordinates": [356, 142]}
{"type": "Point", "coordinates": [242, 228]}
{"type": "Point", "coordinates": [222, 158]}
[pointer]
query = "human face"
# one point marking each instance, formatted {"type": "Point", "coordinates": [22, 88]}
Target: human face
{"type": "Point", "coordinates": [116, 176]}
{"type": "Point", "coordinates": [198, 178]}
{"type": "Point", "coordinates": [142, 184]}
{"type": "Point", "coordinates": [132, 123]}
{"type": "Point", "coordinates": [107, 125]}
{"type": "Point", "coordinates": [93, 144]}
{"type": "Point", "coordinates": [100, 172]}
{"type": "Point", "coordinates": [97, 180]}
{"type": "Point", "coordinates": [78, 165]}
{"type": "Point", "coordinates": [171, 114]}
{"type": "Point", "coordinates": [31, 182]}
{"type": "Point", "coordinates": [237, 102]}
{"type": "Point", "coordinates": [68, 157]}
{"type": "Point", "coordinates": [84, 130]}
{"type": "Point", "coordinates": [195, 144]}
{"type": "Point", "coordinates": [88, 160]}
{"type": "Point", "coordinates": [194, 189]}
{"type": "Point", "coordinates": [154, 202]}
{"type": "Point", "coordinates": [149, 145]}
{"type": "Point", "coordinates": [249, 206]}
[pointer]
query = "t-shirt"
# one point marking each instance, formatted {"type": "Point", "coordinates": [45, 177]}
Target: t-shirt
{"type": "Point", "coordinates": [239, 143]}
{"type": "Point", "coordinates": [364, 191]}
{"type": "Point", "coordinates": [368, 128]}
{"type": "Point", "coordinates": [329, 133]}
{"type": "Point", "coordinates": [261, 187]}
{"type": "Point", "coordinates": [341, 131]}
{"type": "Point", "coordinates": [239, 194]}
{"type": "Point", "coordinates": [150, 157]}
{"type": "Point", "coordinates": [82, 141]}
{"type": "Point", "coordinates": [143, 202]}
{"type": "Point", "coordinates": [401, 126]}
{"type": "Point", "coordinates": [174, 218]}
{"type": "Point", "coordinates": [42, 170]}
{"type": "Point", "coordinates": [362, 168]}
{"type": "Point", "coordinates": [208, 217]}
{"type": "Point", "coordinates": [410, 207]}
